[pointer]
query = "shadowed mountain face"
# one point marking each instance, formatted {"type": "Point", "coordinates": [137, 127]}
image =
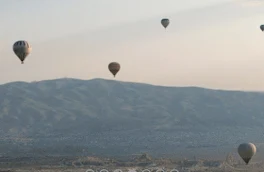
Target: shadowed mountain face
{"type": "Point", "coordinates": [69, 109]}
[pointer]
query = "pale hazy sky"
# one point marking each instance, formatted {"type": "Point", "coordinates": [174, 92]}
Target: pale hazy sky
{"type": "Point", "coordinates": [209, 43]}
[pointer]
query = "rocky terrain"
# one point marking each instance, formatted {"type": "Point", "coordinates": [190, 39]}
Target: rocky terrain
{"type": "Point", "coordinates": [138, 163]}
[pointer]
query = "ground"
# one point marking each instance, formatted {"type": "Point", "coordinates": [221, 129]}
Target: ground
{"type": "Point", "coordinates": [139, 163]}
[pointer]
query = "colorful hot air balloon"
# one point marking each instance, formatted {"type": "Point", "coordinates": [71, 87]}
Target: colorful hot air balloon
{"type": "Point", "coordinates": [246, 151]}
{"type": "Point", "coordinates": [114, 67]}
{"type": "Point", "coordinates": [165, 23]}
{"type": "Point", "coordinates": [22, 49]}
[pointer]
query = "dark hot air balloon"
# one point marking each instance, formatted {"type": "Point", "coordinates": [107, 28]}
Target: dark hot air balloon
{"type": "Point", "coordinates": [262, 27]}
{"type": "Point", "coordinates": [165, 23]}
{"type": "Point", "coordinates": [114, 67]}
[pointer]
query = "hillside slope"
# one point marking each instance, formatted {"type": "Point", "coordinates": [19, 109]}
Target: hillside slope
{"type": "Point", "coordinates": [72, 109]}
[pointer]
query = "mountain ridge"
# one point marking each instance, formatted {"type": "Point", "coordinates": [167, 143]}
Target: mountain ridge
{"type": "Point", "coordinates": [130, 82]}
{"type": "Point", "coordinates": [117, 117]}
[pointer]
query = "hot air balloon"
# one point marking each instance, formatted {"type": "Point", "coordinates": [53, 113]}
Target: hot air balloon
{"type": "Point", "coordinates": [262, 28]}
{"type": "Point", "coordinates": [165, 23]}
{"type": "Point", "coordinates": [246, 151]}
{"type": "Point", "coordinates": [114, 67]}
{"type": "Point", "coordinates": [22, 50]}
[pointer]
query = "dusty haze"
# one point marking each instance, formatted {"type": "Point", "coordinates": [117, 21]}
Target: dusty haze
{"type": "Point", "coordinates": [213, 44]}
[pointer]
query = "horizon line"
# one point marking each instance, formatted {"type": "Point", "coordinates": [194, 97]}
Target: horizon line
{"type": "Point", "coordinates": [133, 82]}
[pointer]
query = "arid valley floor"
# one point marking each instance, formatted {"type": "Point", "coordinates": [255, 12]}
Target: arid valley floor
{"type": "Point", "coordinates": [137, 163]}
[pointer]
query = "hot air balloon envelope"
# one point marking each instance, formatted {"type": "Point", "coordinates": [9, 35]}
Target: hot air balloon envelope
{"type": "Point", "coordinates": [262, 28]}
{"type": "Point", "coordinates": [114, 67]}
{"type": "Point", "coordinates": [246, 151]}
{"type": "Point", "coordinates": [22, 49]}
{"type": "Point", "coordinates": [165, 23]}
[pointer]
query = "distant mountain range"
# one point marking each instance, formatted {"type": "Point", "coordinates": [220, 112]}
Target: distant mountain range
{"type": "Point", "coordinates": [72, 116]}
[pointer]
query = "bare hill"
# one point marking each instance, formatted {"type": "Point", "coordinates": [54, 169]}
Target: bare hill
{"type": "Point", "coordinates": [71, 116]}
